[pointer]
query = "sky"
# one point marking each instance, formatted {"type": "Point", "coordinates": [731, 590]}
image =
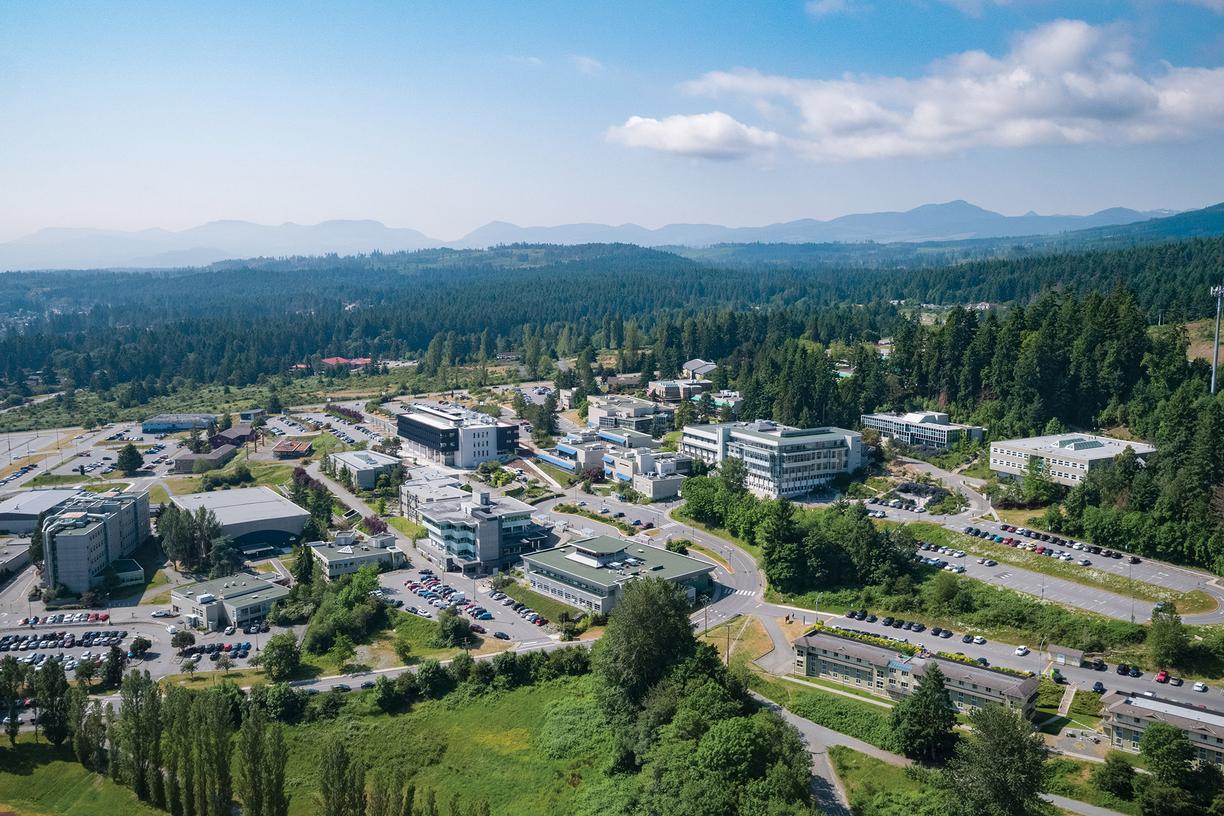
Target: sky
{"type": "Point", "coordinates": [445, 116]}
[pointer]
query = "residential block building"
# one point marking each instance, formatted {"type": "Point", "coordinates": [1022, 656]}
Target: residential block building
{"type": "Point", "coordinates": [88, 533]}
{"type": "Point", "coordinates": [780, 461]}
{"type": "Point", "coordinates": [1066, 458]}
{"type": "Point", "coordinates": [479, 534]}
{"type": "Point", "coordinates": [591, 573]}
{"type": "Point", "coordinates": [455, 436]}
{"type": "Point", "coordinates": [891, 673]}
{"type": "Point", "coordinates": [927, 429]}
{"type": "Point", "coordinates": [1128, 715]}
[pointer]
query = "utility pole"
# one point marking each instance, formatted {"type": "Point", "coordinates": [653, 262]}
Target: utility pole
{"type": "Point", "coordinates": [1218, 293]}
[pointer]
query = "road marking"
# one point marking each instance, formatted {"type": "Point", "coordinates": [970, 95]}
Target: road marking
{"type": "Point", "coordinates": [750, 593]}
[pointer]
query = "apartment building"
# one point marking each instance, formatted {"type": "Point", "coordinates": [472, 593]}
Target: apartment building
{"type": "Point", "coordinates": [893, 673]}
{"type": "Point", "coordinates": [88, 533]}
{"type": "Point", "coordinates": [479, 534]}
{"type": "Point", "coordinates": [927, 429]}
{"type": "Point", "coordinates": [1127, 716]}
{"type": "Point", "coordinates": [235, 600]}
{"type": "Point", "coordinates": [655, 475]}
{"type": "Point", "coordinates": [1067, 458]}
{"type": "Point", "coordinates": [591, 573]}
{"type": "Point", "coordinates": [780, 461]}
{"type": "Point", "coordinates": [454, 436]}
{"type": "Point", "coordinates": [351, 551]}
{"type": "Point", "coordinates": [613, 411]}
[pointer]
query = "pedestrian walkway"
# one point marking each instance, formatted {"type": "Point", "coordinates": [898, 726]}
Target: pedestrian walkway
{"type": "Point", "coordinates": [1064, 705]}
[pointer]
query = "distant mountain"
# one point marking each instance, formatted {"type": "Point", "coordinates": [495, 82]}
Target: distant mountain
{"type": "Point", "coordinates": [61, 248]}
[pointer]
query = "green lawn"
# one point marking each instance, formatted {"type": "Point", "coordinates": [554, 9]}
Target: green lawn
{"type": "Point", "coordinates": [103, 487]}
{"type": "Point", "coordinates": [1072, 778]}
{"type": "Point", "coordinates": [158, 495]}
{"type": "Point", "coordinates": [546, 606]}
{"type": "Point", "coordinates": [58, 479]}
{"type": "Point", "coordinates": [561, 477]}
{"type": "Point", "coordinates": [269, 474]}
{"type": "Point", "coordinates": [876, 788]}
{"type": "Point", "coordinates": [36, 779]}
{"type": "Point", "coordinates": [751, 549]}
{"type": "Point", "coordinates": [409, 528]}
{"type": "Point", "coordinates": [855, 718]}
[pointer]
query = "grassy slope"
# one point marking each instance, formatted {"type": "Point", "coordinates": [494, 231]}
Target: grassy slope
{"type": "Point", "coordinates": [36, 780]}
{"type": "Point", "coordinates": [546, 606]}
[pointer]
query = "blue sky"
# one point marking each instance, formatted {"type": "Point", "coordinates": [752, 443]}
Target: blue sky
{"type": "Point", "coordinates": [443, 116]}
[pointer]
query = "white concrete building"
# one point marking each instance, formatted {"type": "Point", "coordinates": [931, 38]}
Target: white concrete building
{"type": "Point", "coordinates": [928, 429]}
{"type": "Point", "coordinates": [655, 475]}
{"type": "Point", "coordinates": [479, 534]}
{"type": "Point", "coordinates": [423, 486]}
{"type": "Point", "coordinates": [1067, 458]}
{"type": "Point", "coordinates": [364, 466]}
{"type": "Point", "coordinates": [235, 600]}
{"type": "Point", "coordinates": [609, 411]}
{"type": "Point", "coordinates": [780, 461]}
{"type": "Point", "coordinates": [88, 533]}
{"type": "Point", "coordinates": [350, 552]}
{"type": "Point", "coordinates": [455, 436]}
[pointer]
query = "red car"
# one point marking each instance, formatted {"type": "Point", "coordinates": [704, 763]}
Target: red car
{"type": "Point", "coordinates": [1162, 676]}
{"type": "Point", "coordinates": [103, 616]}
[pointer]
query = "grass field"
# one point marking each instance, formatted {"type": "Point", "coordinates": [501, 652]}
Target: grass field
{"type": "Point", "coordinates": [158, 495]}
{"type": "Point", "coordinates": [58, 479]}
{"type": "Point", "coordinates": [561, 477]}
{"type": "Point", "coordinates": [103, 487]}
{"type": "Point", "coordinates": [269, 474]}
{"type": "Point", "coordinates": [37, 780]}
{"type": "Point", "coordinates": [409, 528]}
{"type": "Point", "coordinates": [546, 606]}
{"type": "Point", "coordinates": [746, 636]}
{"type": "Point", "coordinates": [1071, 778]}
{"type": "Point", "coordinates": [873, 786]}
{"type": "Point", "coordinates": [1186, 602]}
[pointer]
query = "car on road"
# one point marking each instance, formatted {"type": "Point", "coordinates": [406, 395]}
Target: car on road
{"type": "Point", "coordinates": [1200, 686]}
{"type": "Point", "coordinates": [1135, 671]}
{"type": "Point", "coordinates": [369, 684]}
{"type": "Point", "coordinates": [1122, 669]}
{"type": "Point", "coordinates": [501, 636]}
{"type": "Point", "coordinates": [1162, 676]}
{"type": "Point", "coordinates": [979, 640]}
{"type": "Point", "coordinates": [1098, 687]}
{"type": "Point", "coordinates": [1175, 681]}
{"type": "Point", "coordinates": [342, 687]}
{"type": "Point", "coordinates": [1021, 651]}
{"type": "Point", "coordinates": [967, 639]}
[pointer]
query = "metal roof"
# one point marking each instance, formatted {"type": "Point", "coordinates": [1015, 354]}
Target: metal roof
{"type": "Point", "coordinates": [242, 505]}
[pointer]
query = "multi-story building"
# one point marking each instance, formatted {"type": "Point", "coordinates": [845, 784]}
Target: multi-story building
{"type": "Point", "coordinates": [455, 436]}
{"type": "Point", "coordinates": [677, 390]}
{"type": "Point", "coordinates": [479, 534]}
{"type": "Point", "coordinates": [1128, 715]}
{"type": "Point", "coordinates": [928, 429]}
{"type": "Point", "coordinates": [1066, 458]}
{"type": "Point", "coordinates": [235, 600]}
{"type": "Point", "coordinates": [88, 533]}
{"type": "Point", "coordinates": [655, 475]}
{"type": "Point", "coordinates": [424, 486]}
{"type": "Point", "coordinates": [171, 423]}
{"type": "Point", "coordinates": [577, 453]}
{"type": "Point", "coordinates": [780, 461]}
{"type": "Point", "coordinates": [364, 467]}
{"type": "Point", "coordinates": [350, 552]}
{"type": "Point", "coordinates": [591, 573]}
{"type": "Point", "coordinates": [894, 673]}
{"type": "Point", "coordinates": [611, 411]}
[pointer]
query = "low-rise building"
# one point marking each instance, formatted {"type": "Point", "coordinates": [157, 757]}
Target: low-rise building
{"type": "Point", "coordinates": [19, 513]}
{"type": "Point", "coordinates": [254, 518]}
{"type": "Point", "coordinates": [730, 400]}
{"type": "Point", "coordinates": [292, 448]}
{"type": "Point", "coordinates": [677, 390]}
{"type": "Point", "coordinates": [455, 436]}
{"type": "Point", "coordinates": [893, 673]}
{"type": "Point", "coordinates": [172, 423]}
{"type": "Point", "coordinates": [88, 533]}
{"type": "Point", "coordinates": [1128, 715]}
{"type": "Point", "coordinates": [591, 573]}
{"type": "Point", "coordinates": [779, 460]}
{"type": "Point", "coordinates": [698, 369]}
{"type": "Point", "coordinates": [578, 452]}
{"type": "Point", "coordinates": [628, 439]}
{"type": "Point", "coordinates": [480, 534]}
{"type": "Point", "coordinates": [237, 435]}
{"type": "Point", "coordinates": [655, 475]}
{"type": "Point", "coordinates": [350, 552]}
{"type": "Point", "coordinates": [251, 414]}
{"type": "Point", "coordinates": [927, 429]}
{"type": "Point", "coordinates": [364, 466]}
{"type": "Point", "coordinates": [611, 411]}
{"type": "Point", "coordinates": [236, 600]}
{"type": "Point", "coordinates": [203, 462]}
{"type": "Point", "coordinates": [14, 557]}
{"type": "Point", "coordinates": [1065, 458]}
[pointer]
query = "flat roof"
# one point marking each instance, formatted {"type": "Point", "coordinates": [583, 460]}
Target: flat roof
{"type": "Point", "coordinates": [1077, 446]}
{"type": "Point", "coordinates": [242, 505]}
{"type": "Point", "coordinates": [770, 431]}
{"type": "Point", "coordinates": [656, 561]}
{"type": "Point", "coordinates": [247, 587]}
{"type": "Point", "coordinates": [364, 460]}
{"type": "Point", "coordinates": [182, 418]}
{"type": "Point", "coordinates": [469, 508]}
{"type": "Point", "coordinates": [331, 551]}
{"type": "Point", "coordinates": [33, 502]}
{"type": "Point", "coordinates": [926, 419]}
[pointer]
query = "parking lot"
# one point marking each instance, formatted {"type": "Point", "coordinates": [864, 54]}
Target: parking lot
{"type": "Point", "coordinates": [347, 431]}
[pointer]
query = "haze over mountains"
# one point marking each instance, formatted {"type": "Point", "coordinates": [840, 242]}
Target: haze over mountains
{"type": "Point", "coordinates": [67, 248]}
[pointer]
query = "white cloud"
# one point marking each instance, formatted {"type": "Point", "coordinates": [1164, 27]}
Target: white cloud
{"type": "Point", "coordinates": [713, 135]}
{"type": "Point", "coordinates": [1066, 82]}
{"type": "Point", "coordinates": [823, 8]}
{"type": "Point", "coordinates": [585, 64]}
{"type": "Point", "coordinates": [534, 62]}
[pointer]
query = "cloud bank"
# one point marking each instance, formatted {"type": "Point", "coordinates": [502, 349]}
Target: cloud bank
{"type": "Point", "coordinates": [1066, 82]}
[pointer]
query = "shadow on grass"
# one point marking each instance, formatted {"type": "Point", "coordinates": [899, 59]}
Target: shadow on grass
{"type": "Point", "coordinates": [26, 757]}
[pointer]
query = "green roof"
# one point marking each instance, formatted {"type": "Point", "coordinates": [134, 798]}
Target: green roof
{"type": "Point", "coordinates": [655, 562]}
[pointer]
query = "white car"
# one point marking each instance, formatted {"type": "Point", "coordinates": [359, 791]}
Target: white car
{"type": "Point", "coordinates": [1022, 650]}
{"type": "Point", "coordinates": [172, 629]}
{"type": "Point", "coordinates": [1200, 686]}
{"type": "Point", "coordinates": [979, 640]}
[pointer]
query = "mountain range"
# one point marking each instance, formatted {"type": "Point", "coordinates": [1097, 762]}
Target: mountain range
{"type": "Point", "coordinates": [68, 248]}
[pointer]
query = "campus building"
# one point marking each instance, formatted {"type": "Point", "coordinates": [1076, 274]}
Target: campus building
{"type": "Point", "coordinates": [350, 552]}
{"type": "Point", "coordinates": [894, 674]}
{"type": "Point", "coordinates": [611, 411]}
{"type": "Point", "coordinates": [254, 518]}
{"type": "Point", "coordinates": [1066, 458]}
{"type": "Point", "coordinates": [480, 534]}
{"type": "Point", "coordinates": [88, 534]}
{"type": "Point", "coordinates": [236, 600]}
{"type": "Point", "coordinates": [780, 461]}
{"type": "Point", "coordinates": [655, 475]}
{"type": "Point", "coordinates": [237, 435]}
{"type": "Point", "coordinates": [423, 486]}
{"type": "Point", "coordinates": [19, 513]}
{"type": "Point", "coordinates": [450, 435]}
{"type": "Point", "coordinates": [1127, 716]}
{"type": "Point", "coordinates": [172, 423]}
{"type": "Point", "coordinates": [203, 462]}
{"type": "Point", "coordinates": [677, 390]}
{"type": "Point", "coordinates": [364, 466]}
{"type": "Point", "coordinates": [591, 573]}
{"type": "Point", "coordinates": [292, 449]}
{"type": "Point", "coordinates": [926, 429]}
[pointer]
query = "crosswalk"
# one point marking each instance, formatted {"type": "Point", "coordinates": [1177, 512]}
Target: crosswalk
{"type": "Point", "coordinates": [748, 592]}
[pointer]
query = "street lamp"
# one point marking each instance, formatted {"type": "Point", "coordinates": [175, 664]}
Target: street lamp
{"type": "Point", "coordinates": [1218, 293]}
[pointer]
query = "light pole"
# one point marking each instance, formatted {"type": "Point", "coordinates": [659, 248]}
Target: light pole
{"type": "Point", "coordinates": [1218, 293]}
